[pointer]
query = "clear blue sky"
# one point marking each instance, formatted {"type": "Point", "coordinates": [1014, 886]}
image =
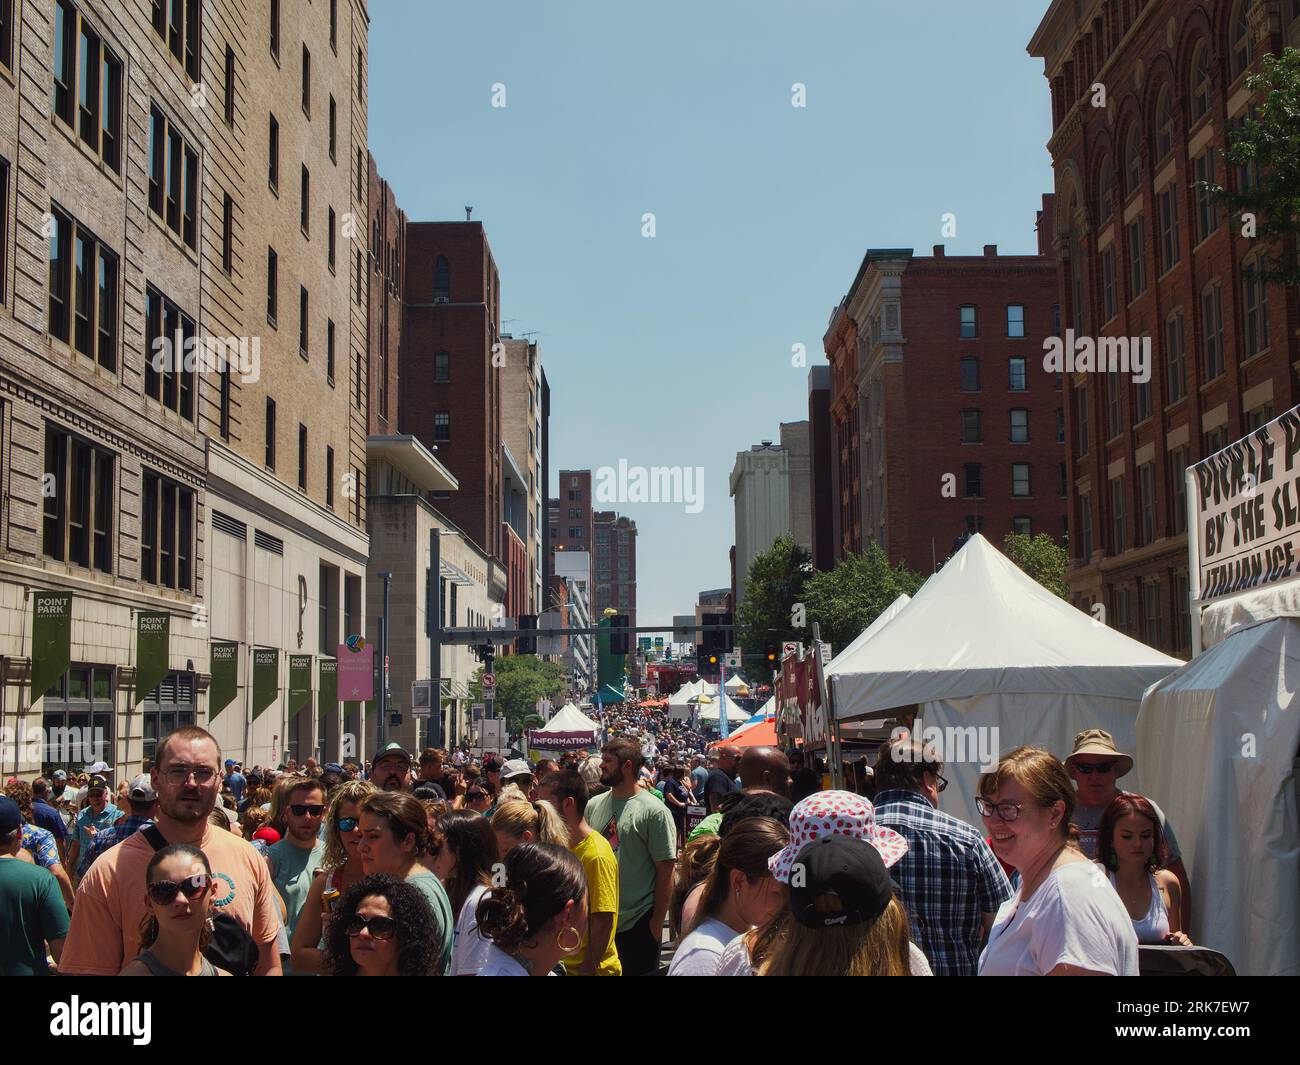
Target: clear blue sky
{"type": "Point", "coordinates": [676, 350]}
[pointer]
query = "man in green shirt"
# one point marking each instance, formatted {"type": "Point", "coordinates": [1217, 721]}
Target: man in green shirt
{"type": "Point", "coordinates": [640, 830]}
{"type": "Point", "coordinates": [32, 914]}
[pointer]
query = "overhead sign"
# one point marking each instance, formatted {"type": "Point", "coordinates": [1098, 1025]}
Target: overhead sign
{"type": "Point", "coordinates": [1246, 510]}
{"type": "Point", "coordinates": [790, 647]}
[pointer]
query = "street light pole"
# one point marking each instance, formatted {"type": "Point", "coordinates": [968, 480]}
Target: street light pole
{"type": "Point", "coordinates": [381, 733]}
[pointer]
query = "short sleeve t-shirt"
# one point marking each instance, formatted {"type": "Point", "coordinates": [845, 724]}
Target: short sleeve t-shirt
{"type": "Point", "coordinates": [699, 953]}
{"type": "Point", "coordinates": [601, 867]}
{"type": "Point", "coordinates": [110, 900]}
{"type": "Point", "coordinates": [718, 784]}
{"type": "Point", "coordinates": [292, 870]}
{"type": "Point", "coordinates": [47, 817]}
{"type": "Point", "coordinates": [1074, 918]}
{"type": "Point", "coordinates": [469, 950]}
{"type": "Point", "coordinates": [89, 819]}
{"type": "Point", "coordinates": [31, 914]}
{"type": "Point", "coordinates": [1087, 819]}
{"type": "Point", "coordinates": [41, 846]}
{"type": "Point", "coordinates": [699, 777]}
{"type": "Point", "coordinates": [640, 832]}
{"type": "Point", "coordinates": [436, 895]}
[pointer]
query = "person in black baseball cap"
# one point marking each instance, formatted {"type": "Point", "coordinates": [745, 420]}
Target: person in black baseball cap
{"type": "Point", "coordinates": [844, 917]}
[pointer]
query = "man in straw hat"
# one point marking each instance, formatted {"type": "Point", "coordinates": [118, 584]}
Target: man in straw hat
{"type": "Point", "coordinates": [1096, 765]}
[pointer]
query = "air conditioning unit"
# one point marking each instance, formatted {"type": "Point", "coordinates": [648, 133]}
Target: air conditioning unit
{"type": "Point", "coordinates": [441, 299]}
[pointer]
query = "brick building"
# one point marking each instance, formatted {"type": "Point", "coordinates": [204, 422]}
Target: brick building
{"type": "Point", "coordinates": [523, 421]}
{"type": "Point", "coordinates": [821, 467]}
{"type": "Point", "coordinates": [570, 515]}
{"type": "Point", "coordinates": [614, 563]}
{"type": "Point", "coordinates": [959, 427]}
{"type": "Point", "coordinates": [1142, 253]}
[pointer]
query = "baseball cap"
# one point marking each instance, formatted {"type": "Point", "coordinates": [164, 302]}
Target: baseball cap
{"type": "Point", "coordinates": [142, 789]}
{"type": "Point", "coordinates": [10, 816]}
{"type": "Point", "coordinates": [333, 767]}
{"type": "Point", "coordinates": [843, 881]}
{"type": "Point", "coordinates": [516, 767]}
{"type": "Point", "coordinates": [97, 783]}
{"type": "Point", "coordinates": [60, 774]}
{"type": "Point", "coordinates": [267, 835]}
{"type": "Point", "coordinates": [229, 762]}
{"type": "Point", "coordinates": [99, 767]}
{"type": "Point", "coordinates": [392, 748]}
{"type": "Point", "coordinates": [835, 813]}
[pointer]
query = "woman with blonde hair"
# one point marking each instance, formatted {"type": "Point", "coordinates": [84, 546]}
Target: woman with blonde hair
{"type": "Point", "coordinates": [519, 821]}
{"type": "Point", "coordinates": [340, 870]}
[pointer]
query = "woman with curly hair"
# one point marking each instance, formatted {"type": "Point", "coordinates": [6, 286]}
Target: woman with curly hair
{"type": "Point", "coordinates": [539, 916]}
{"type": "Point", "coordinates": [383, 927]}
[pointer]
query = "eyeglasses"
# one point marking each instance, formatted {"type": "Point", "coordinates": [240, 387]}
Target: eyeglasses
{"type": "Point", "coordinates": [1088, 768]}
{"type": "Point", "coordinates": [180, 774]}
{"type": "Point", "coordinates": [304, 809]}
{"type": "Point", "coordinates": [380, 928]}
{"type": "Point", "coordinates": [164, 892]}
{"type": "Point", "coordinates": [1006, 811]}
{"type": "Point", "coordinates": [348, 824]}
{"type": "Point", "coordinates": [943, 781]}
{"type": "Point", "coordinates": [475, 796]}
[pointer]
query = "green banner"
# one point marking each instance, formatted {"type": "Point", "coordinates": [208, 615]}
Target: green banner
{"type": "Point", "coordinates": [224, 659]}
{"type": "Point", "coordinates": [51, 639]}
{"type": "Point", "coordinates": [266, 678]}
{"type": "Point", "coordinates": [299, 682]}
{"type": "Point", "coordinates": [152, 643]}
{"type": "Point", "coordinates": [329, 687]}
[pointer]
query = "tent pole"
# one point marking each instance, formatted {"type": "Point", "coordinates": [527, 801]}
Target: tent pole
{"type": "Point", "coordinates": [832, 723]}
{"type": "Point", "coordinates": [1193, 563]}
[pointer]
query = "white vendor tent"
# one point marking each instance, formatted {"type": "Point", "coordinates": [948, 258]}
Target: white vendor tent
{"type": "Point", "coordinates": [886, 616]}
{"type": "Point", "coordinates": [734, 684]}
{"type": "Point", "coordinates": [569, 729]}
{"type": "Point", "coordinates": [680, 707]}
{"type": "Point", "coordinates": [711, 713]}
{"type": "Point", "coordinates": [994, 659]}
{"type": "Point", "coordinates": [1218, 743]}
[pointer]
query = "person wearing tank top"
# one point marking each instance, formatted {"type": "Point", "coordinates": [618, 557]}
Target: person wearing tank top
{"type": "Point", "coordinates": [180, 889]}
{"type": "Point", "coordinates": [1133, 850]}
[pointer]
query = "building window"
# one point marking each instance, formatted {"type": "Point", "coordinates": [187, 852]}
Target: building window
{"type": "Point", "coordinates": [442, 280]}
{"type": "Point", "coordinates": [1141, 401]}
{"type": "Point", "coordinates": [1109, 306]}
{"type": "Point", "coordinates": [87, 83]}
{"type": "Point", "coordinates": [1081, 418]}
{"type": "Point", "coordinates": [272, 285]}
{"type": "Point", "coordinates": [1238, 42]}
{"type": "Point", "coordinates": [1015, 320]}
{"type": "Point", "coordinates": [1022, 526]}
{"type": "Point", "coordinates": [329, 477]}
{"type": "Point", "coordinates": [7, 34]}
{"type": "Point", "coordinates": [441, 427]}
{"type": "Point", "coordinates": [1019, 425]}
{"type": "Point", "coordinates": [334, 129]}
{"type": "Point", "coordinates": [441, 367]}
{"type": "Point", "coordinates": [974, 481]}
{"type": "Point", "coordinates": [4, 228]}
{"type": "Point", "coordinates": [360, 271]}
{"type": "Point", "coordinates": [275, 29]}
{"type": "Point", "coordinates": [83, 290]}
{"type": "Point", "coordinates": [306, 81]}
{"type": "Point", "coordinates": [1132, 160]}
{"type": "Point", "coordinates": [270, 433]}
{"type": "Point", "coordinates": [1064, 474]}
{"type": "Point", "coordinates": [1259, 417]}
{"type": "Point", "coordinates": [1182, 615]}
{"type": "Point", "coordinates": [1085, 524]}
{"type": "Point", "coordinates": [970, 374]}
{"type": "Point", "coordinates": [78, 517]}
{"type": "Point", "coordinates": [1254, 305]}
{"type": "Point", "coordinates": [329, 351]}
{"type": "Point", "coordinates": [971, 430]}
{"type": "Point", "coordinates": [1175, 357]}
{"type": "Point", "coordinates": [303, 328]}
{"type": "Point", "coordinates": [1212, 329]}
{"type": "Point", "coordinates": [1137, 274]}
{"type": "Point", "coordinates": [1147, 500]}
{"type": "Point", "coordinates": [81, 699]}
{"type": "Point", "coordinates": [361, 185]}
{"type": "Point", "coordinates": [357, 495]}
{"type": "Point", "coordinates": [1201, 76]}
{"type": "Point", "coordinates": [177, 22]}
{"type": "Point", "coordinates": [168, 707]}
{"type": "Point", "coordinates": [1114, 406]}
{"type": "Point", "coordinates": [1164, 126]}
{"type": "Point", "coordinates": [356, 394]}
{"type": "Point", "coordinates": [969, 322]}
{"type": "Point", "coordinates": [230, 87]}
{"type": "Point", "coordinates": [304, 202]}
{"type": "Point", "coordinates": [166, 533]}
{"type": "Point", "coordinates": [228, 235]}
{"type": "Point", "coordinates": [1216, 440]}
{"type": "Point", "coordinates": [1016, 379]}
{"type": "Point", "coordinates": [1119, 612]}
{"type": "Point", "coordinates": [1105, 193]}
{"type": "Point", "coordinates": [1170, 250]}
{"type": "Point", "coordinates": [273, 155]}
{"type": "Point", "coordinates": [173, 178]}
{"type": "Point", "coordinates": [1117, 516]}
{"type": "Point", "coordinates": [1247, 174]}
{"type": "Point", "coordinates": [1178, 487]}
{"type": "Point", "coordinates": [1152, 614]}
{"type": "Point", "coordinates": [1020, 479]}
{"type": "Point", "coordinates": [1060, 425]}
{"type": "Point", "coordinates": [1207, 210]}
{"type": "Point", "coordinates": [302, 456]}
{"type": "Point", "coordinates": [169, 335]}
{"type": "Point", "coordinates": [334, 25]}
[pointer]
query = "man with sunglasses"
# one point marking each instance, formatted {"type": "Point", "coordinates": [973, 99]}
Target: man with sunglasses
{"type": "Point", "coordinates": [295, 859]}
{"type": "Point", "coordinates": [950, 882]}
{"type": "Point", "coordinates": [1096, 765]}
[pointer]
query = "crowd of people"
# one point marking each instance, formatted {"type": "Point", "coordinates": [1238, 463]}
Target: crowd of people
{"type": "Point", "coordinates": [440, 864]}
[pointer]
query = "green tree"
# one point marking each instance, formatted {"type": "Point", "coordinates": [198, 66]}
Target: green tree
{"type": "Point", "coordinates": [1268, 143]}
{"type": "Point", "coordinates": [774, 584]}
{"type": "Point", "coordinates": [521, 681]}
{"type": "Point", "coordinates": [850, 597]}
{"type": "Point", "coordinates": [1042, 558]}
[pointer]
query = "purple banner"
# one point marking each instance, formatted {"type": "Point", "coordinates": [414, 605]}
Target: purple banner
{"type": "Point", "coordinates": [356, 678]}
{"type": "Point", "coordinates": [560, 741]}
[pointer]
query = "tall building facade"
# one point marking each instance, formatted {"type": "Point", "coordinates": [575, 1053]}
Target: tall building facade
{"type": "Point", "coordinates": [821, 468]}
{"type": "Point", "coordinates": [168, 414]}
{"type": "Point", "coordinates": [761, 485]}
{"type": "Point", "coordinates": [569, 517]}
{"type": "Point", "coordinates": [523, 430]}
{"type": "Point", "coordinates": [1142, 253]}
{"type": "Point", "coordinates": [614, 564]}
{"type": "Point", "coordinates": [960, 429]}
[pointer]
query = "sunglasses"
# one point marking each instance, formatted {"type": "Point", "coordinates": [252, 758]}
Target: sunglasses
{"type": "Point", "coordinates": [164, 892]}
{"type": "Point", "coordinates": [381, 928]}
{"type": "Point", "coordinates": [301, 809]}
{"type": "Point", "coordinates": [1088, 768]}
{"type": "Point", "coordinates": [348, 824]}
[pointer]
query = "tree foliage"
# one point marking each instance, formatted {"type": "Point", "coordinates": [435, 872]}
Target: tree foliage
{"type": "Point", "coordinates": [521, 681]}
{"type": "Point", "coordinates": [774, 584]}
{"type": "Point", "coordinates": [850, 597]}
{"type": "Point", "coordinates": [1042, 558]}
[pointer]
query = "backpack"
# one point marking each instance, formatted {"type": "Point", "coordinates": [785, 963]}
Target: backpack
{"type": "Point", "coordinates": [231, 946]}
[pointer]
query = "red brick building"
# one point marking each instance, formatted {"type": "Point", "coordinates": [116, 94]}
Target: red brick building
{"type": "Point", "coordinates": [614, 564]}
{"type": "Point", "coordinates": [1143, 254]}
{"type": "Point", "coordinates": [569, 518]}
{"type": "Point", "coordinates": [451, 391]}
{"type": "Point", "coordinates": [959, 427]}
{"type": "Point", "coordinates": [387, 254]}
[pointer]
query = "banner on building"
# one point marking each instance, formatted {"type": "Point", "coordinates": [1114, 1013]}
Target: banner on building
{"type": "Point", "coordinates": [51, 639]}
{"type": "Point", "coordinates": [152, 645]}
{"type": "Point", "coordinates": [356, 665]}
{"type": "Point", "coordinates": [224, 667]}
{"type": "Point", "coordinates": [1247, 510]}
{"type": "Point", "coordinates": [299, 682]}
{"type": "Point", "coordinates": [328, 670]}
{"type": "Point", "coordinates": [266, 678]}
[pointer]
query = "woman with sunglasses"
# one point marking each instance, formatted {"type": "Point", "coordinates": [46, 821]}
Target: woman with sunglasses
{"type": "Point", "coordinates": [340, 870]}
{"type": "Point", "coordinates": [1064, 919]}
{"type": "Point", "coordinates": [478, 796]}
{"type": "Point", "coordinates": [179, 890]}
{"type": "Point", "coordinates": [384, 927]}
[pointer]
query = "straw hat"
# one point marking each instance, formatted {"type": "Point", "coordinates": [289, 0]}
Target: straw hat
{"type": "Point", "coordinates": [1099, 741]}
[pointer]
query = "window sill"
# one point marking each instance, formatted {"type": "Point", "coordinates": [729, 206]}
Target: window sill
{"type": "Point", "coordinates": [1211, 382]}
{"type": "Point", "coordinates": [274, 186]}
{"type": "Point", "coordinates": [303, 354]}
{"type": "Point", "coordinates": [171, 234]}
{"type": "Point", "coordinates": [1259, 355]}
{"type": "Point", "coordinates": [305, 231]}
{"type": "Point", "coordinates": [87, 153]}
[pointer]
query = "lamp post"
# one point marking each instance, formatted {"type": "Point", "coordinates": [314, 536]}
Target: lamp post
{"type": "Point", "coordinates": [382, 732]}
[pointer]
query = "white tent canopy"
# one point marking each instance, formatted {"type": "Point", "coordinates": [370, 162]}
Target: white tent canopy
{"type": "Point", "coordinates": [982, 645]}
{"type": "Point", "coordinates": [734, 684]}
{"type": "Point", "coordinates": [712, 712]}
{"type": "Point", "coordinates": [886, 616]}
{"type": "Point", "coordinates": [569, 719]}
{"type": "Point", "coordinates": [679, 703]}
{"type": "Point", "coordinates": [1218, 744]}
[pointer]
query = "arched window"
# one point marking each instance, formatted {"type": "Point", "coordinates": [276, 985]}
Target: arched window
{"type": "Point", "coordinates": [1132, 160]}
{"type": "Point", "coordinates": [1164, 125]}
{"type": "Point", "coordinates": [1105, 192]}
{"type": "Point", "coordinates": [1254, 302]}
{"type": "Point", "coordinates": [1200, 94]}
{"type": "Point", "coordinates": [442, 280]}
{"type": "Point", "coordinates": [1239, 44]}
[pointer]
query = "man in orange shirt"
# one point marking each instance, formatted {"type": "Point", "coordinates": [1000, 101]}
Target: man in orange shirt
{"type": "Point", "coordinates": [110, 900]}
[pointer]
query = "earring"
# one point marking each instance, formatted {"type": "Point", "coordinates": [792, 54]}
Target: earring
{"type": "Point", "coordinates": [577, 940]}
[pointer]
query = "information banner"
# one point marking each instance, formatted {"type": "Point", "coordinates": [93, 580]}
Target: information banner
{"type": "Point", "coordinates": [152, 636]}
{"type": "Point", "coordinates": [51, 639]}
{"type": "Point", "coordinates": [299, 682]}
{"type": "Point", "coordinates": [356, 671]}
{"type": "Point", "coordinates": [266, 678]}
{"type": "Point", "coordinates": [224, 666]}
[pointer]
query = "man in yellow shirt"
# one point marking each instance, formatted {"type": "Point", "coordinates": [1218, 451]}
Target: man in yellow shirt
{"type": "Point", "coordinates": [567, 792]}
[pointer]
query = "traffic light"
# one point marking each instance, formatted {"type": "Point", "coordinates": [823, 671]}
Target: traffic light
{"type": "Point", "coordinates": [526, 645]}
{"type": "Point", "coordinates": [773, 655]}
{"type": "Point", "coordinates": [620, 643]}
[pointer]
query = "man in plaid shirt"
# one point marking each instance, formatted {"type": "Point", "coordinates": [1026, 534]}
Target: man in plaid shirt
{"type": "Point", "coordinates": [949, 880]}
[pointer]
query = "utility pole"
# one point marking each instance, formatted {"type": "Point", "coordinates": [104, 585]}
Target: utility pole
{"type": "Point", "coordinates": [381, 732]}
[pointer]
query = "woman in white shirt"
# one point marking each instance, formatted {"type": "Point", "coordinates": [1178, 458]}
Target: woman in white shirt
{"type": "Point", "coordinates": [1065, 919]}
{"type": "Point", "coordinates": [739, 893]}
{"type": "Point", "coordinates": [466, 853]}
{"type": "Point", "coordinates": [538, 917]}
